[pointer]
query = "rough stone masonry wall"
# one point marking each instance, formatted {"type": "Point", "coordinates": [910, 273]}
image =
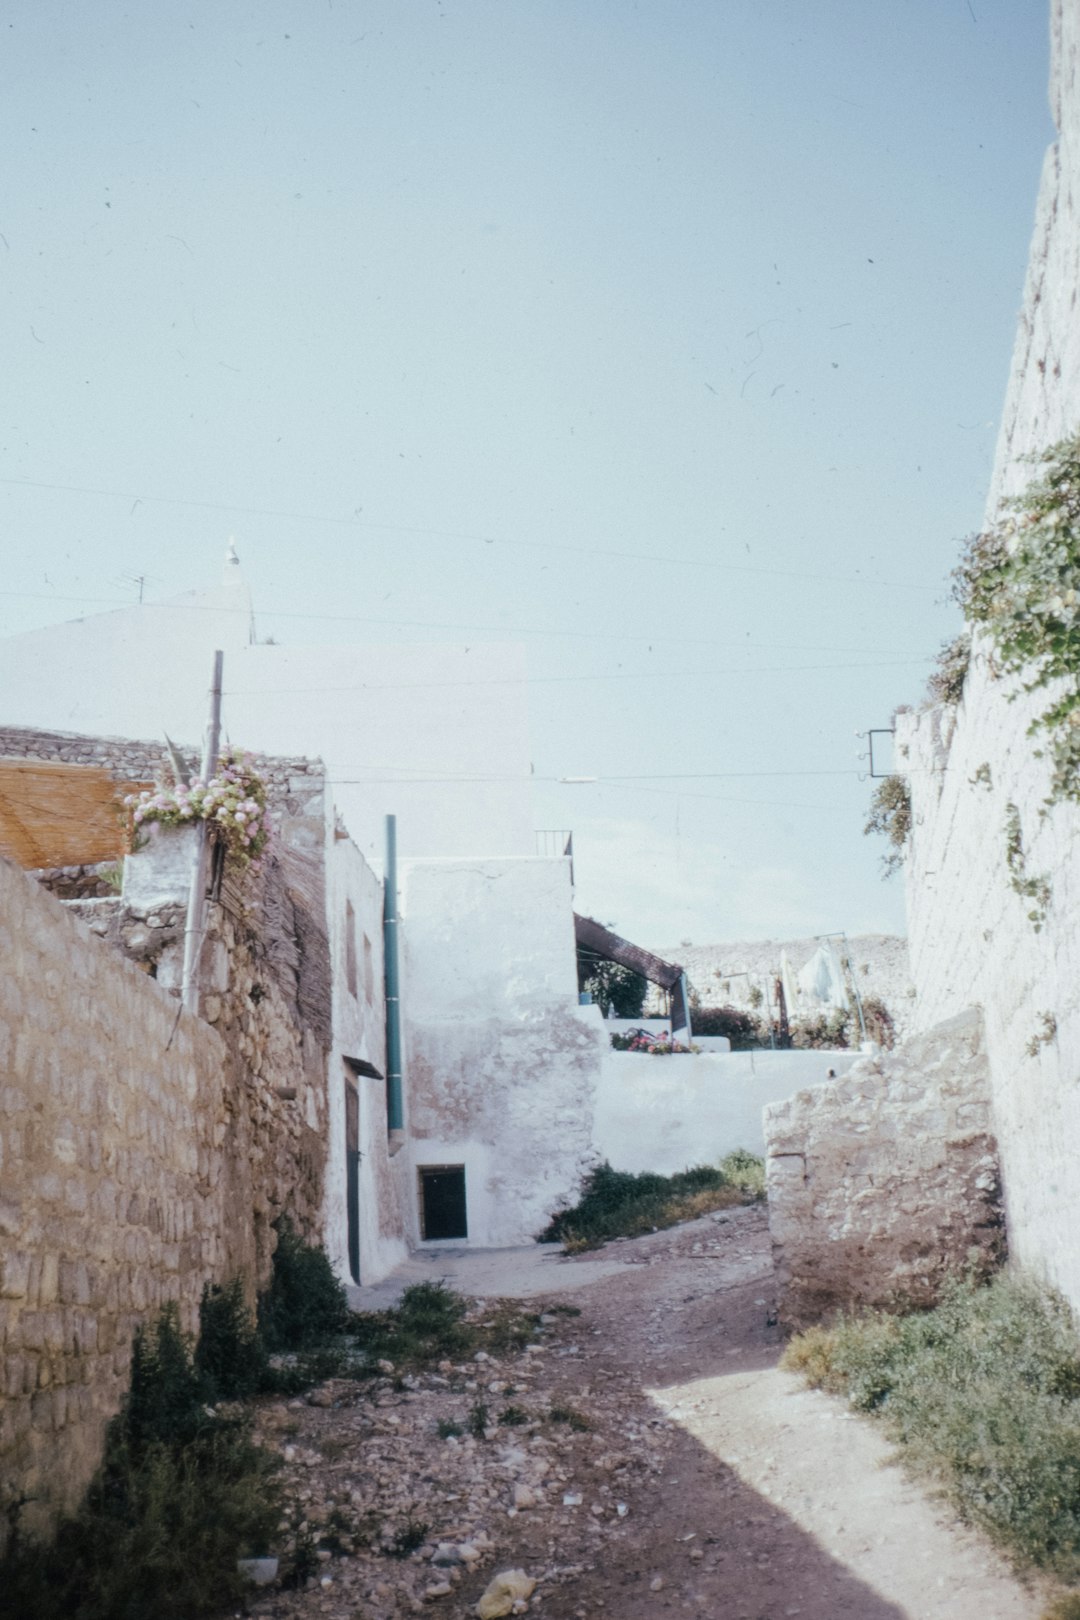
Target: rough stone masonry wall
{"type": "Point", "coordinates": [114, 1149]}
{"type": "Point", "coordinates": [972, 942]}
{"type": "Point", "coordinates": [883, 1182]}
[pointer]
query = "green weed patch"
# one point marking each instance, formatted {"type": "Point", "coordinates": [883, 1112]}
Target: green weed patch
{"type": "Point", "coordinates": [981, 1395]}
{"type": "Point", "coordinates": [616, 1203]}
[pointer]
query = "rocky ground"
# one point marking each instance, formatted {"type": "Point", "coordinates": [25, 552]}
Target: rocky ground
{"type": "Point", "coordinates": [639, 1456]}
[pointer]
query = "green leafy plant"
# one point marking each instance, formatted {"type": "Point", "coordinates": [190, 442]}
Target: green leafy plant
{"type": "Point", "coordinates": [408, 1538]}
{"type": "Point", "coordinates": [1035, 890]}
{"type": "Point", "coordinates": [742, 1029]}
{"type": "Point", "coordinates": [890, 815]}
{"type": "Point", "coordinates": [1019, 581]}
{"type": "Point", "coordinates": [230, 1356]}
{"type": "Point", "coordinates": [572, 1418]}
{"type": "Point", "coordinates": [479, 1420]}
{"type": "Point", "coordinates": [513, 1417]}
{"type": "Point", "coordinates": [305, 1303]}
{"type": "Point", "coordinates": [182, 1493]}
{"type": "Point", "coordinates": [616, 1203]}
{"type": "Point", "coordinates": [615, 989]}
{"type": "Point", "coordinates": [981, 1394]}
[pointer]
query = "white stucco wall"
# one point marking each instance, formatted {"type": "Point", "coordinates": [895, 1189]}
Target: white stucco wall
{"type": "Point", "coordinates": [501, 1066]}
{"type": "Point", "coordinates": [359, 1031]}
{"type": "Point", "coordinates": [436, 734]}
{"type": "Point", "coordinates": [668, 1113]}
{"type": "Point", "coordinates": [970, 937]}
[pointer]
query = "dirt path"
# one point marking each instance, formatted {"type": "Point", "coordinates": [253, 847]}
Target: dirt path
{"type": "Point", "coordinates": [707, 1482]}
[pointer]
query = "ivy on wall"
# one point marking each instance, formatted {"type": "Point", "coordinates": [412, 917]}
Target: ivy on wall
{"type": "Point", "coordinates": [890, 815]}
{"type": "Point", "coordinates": [1019, 581]}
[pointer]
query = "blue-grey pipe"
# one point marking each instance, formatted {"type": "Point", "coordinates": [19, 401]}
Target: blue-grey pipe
{"type": "Point", "coordinates": [395, 1113]}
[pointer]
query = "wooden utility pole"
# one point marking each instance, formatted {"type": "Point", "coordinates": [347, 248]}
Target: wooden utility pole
{"type": "Point", "coordinates": [196, 909]}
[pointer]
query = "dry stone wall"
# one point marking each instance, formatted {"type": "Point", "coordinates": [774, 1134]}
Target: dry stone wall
{"type": "Point", "coordinates": [114, 1145]}
{"type": "Point", "coordinates": [143, 1154]}
{"type": "Point", "coordinates": [883, 1182]}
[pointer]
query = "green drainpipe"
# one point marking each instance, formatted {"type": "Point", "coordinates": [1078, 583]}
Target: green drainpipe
{"type": "Point", "coordinates": [395, 1116]}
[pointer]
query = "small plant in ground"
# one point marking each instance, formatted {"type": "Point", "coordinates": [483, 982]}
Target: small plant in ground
{"type": "Point", "coordinates": [447, 1430]}
{"type": "Point", "coordinates": [428, 1325]}
{"type": "Point", "coordinates": [305, 1303]}
{"type": "Point", "coordinates": [983, 1395]}
{"type": "Point", "coordinates": [571, 1417]}
{"type": "Point", "coordinates": [513, 1417]}
{"type": "Point", "coordinates": [890, 815]}
{"type": "Point", "coordinates": [479, 1420]}
{"type": "Point", "coordinates": [1035, 890]}
{"type": "Point", "coordinates": [745, 1171]}
{"type": "Point", "coordinates": [411, 1535]}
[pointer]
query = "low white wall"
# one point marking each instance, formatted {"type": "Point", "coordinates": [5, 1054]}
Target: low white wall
{"type": "Point", "coordinates": [668, 1113]}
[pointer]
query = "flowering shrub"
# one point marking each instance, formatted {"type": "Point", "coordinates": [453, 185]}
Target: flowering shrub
{"type": "Point", "coordinates": [233, 802]}
{"type": "Point", "coordinates": [640, 1040]}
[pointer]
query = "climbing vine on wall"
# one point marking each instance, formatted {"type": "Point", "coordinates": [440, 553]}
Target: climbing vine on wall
{"type": "Point", "coordinates": [890, 815]}
{"type": "Point", "coordinates": [1035, 890]}
{"type": "Point", "coordinates": [1020, 582]}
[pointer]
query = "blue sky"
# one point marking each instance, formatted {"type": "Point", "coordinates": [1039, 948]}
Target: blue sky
{"type": "Point", "coordinates": [670, 337]}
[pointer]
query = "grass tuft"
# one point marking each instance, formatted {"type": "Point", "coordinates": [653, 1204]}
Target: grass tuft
{"type": "Point", "coordinates": [981, 1394]}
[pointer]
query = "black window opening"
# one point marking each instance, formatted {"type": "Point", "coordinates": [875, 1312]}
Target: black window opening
{"type": "Point", "coordinates": [442, 1202]}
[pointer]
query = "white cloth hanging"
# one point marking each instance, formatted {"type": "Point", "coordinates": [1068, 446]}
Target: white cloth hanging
{"type": "Point", "coordinates": [822, 981]}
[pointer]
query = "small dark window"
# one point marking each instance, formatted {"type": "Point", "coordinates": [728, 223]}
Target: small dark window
{"type": "Point", "coordinates": [442, 1202]}
{"type": "Point", "coordinates": [350, 948]}
{"type": "Point", "coordinates": [369, 972]}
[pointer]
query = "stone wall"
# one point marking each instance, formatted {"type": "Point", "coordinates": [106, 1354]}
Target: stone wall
{"type": "Point", "coordinates": [144, 1152]}
{"type": "Point", "coordinates": [972, 940]}
{"type": "Point", "coordinates": [114, 1147]}
{"type": "Point", "coordinates": [883, 1182]}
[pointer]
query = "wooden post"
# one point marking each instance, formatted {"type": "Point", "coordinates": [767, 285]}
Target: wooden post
{"type": "Point", "coordinates": [195, 922]}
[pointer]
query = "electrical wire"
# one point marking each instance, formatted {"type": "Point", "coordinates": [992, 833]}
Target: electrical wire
{"type": "Point", "coordinates": [603, 552]}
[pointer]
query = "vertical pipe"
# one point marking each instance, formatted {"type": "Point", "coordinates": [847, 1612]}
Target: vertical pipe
{"type": "Point", "coordinates": [193, 927]}
{"type": "Point", "coordinates": [395, 1116]}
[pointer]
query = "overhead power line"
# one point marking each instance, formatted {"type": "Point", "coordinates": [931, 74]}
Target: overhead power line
{"type": "Point", "coordinates": [467, 537]}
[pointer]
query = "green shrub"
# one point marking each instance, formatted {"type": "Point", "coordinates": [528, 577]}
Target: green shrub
{"type": "Point", "coordinates": [181, 1494]}
{"type": "Point", "coordinates": [742, 1029]}
{"type": "Point", "coordinates": [428, 1325]}
{"type": "Point", "coordinates": [305, 1303]}
{"type": "Point", "coordinates": [981, 1394]}
{"type": "Point", "coordinates": [617, 1203]}
{"type": "Point", "coordinates": [230, 1356]}
{"type": "Point", "coordinates": [890, 815]}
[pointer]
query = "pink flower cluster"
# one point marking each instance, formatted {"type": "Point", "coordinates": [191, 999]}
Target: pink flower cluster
{"type": "Point", "coordinates": [233, 801]}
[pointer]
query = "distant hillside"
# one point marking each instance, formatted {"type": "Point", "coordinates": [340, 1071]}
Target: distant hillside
{"type": "Point", "coordinates": [718, 973]}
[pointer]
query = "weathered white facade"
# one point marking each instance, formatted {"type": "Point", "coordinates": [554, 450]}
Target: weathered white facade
{"type": "Point", "coordinates": [502, 1065]}
{"type": "Point", "coordinates": [972, 941]}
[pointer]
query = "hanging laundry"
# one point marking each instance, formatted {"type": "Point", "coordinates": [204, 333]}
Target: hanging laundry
{"type": "Point", "coordinates": [821, 979]}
